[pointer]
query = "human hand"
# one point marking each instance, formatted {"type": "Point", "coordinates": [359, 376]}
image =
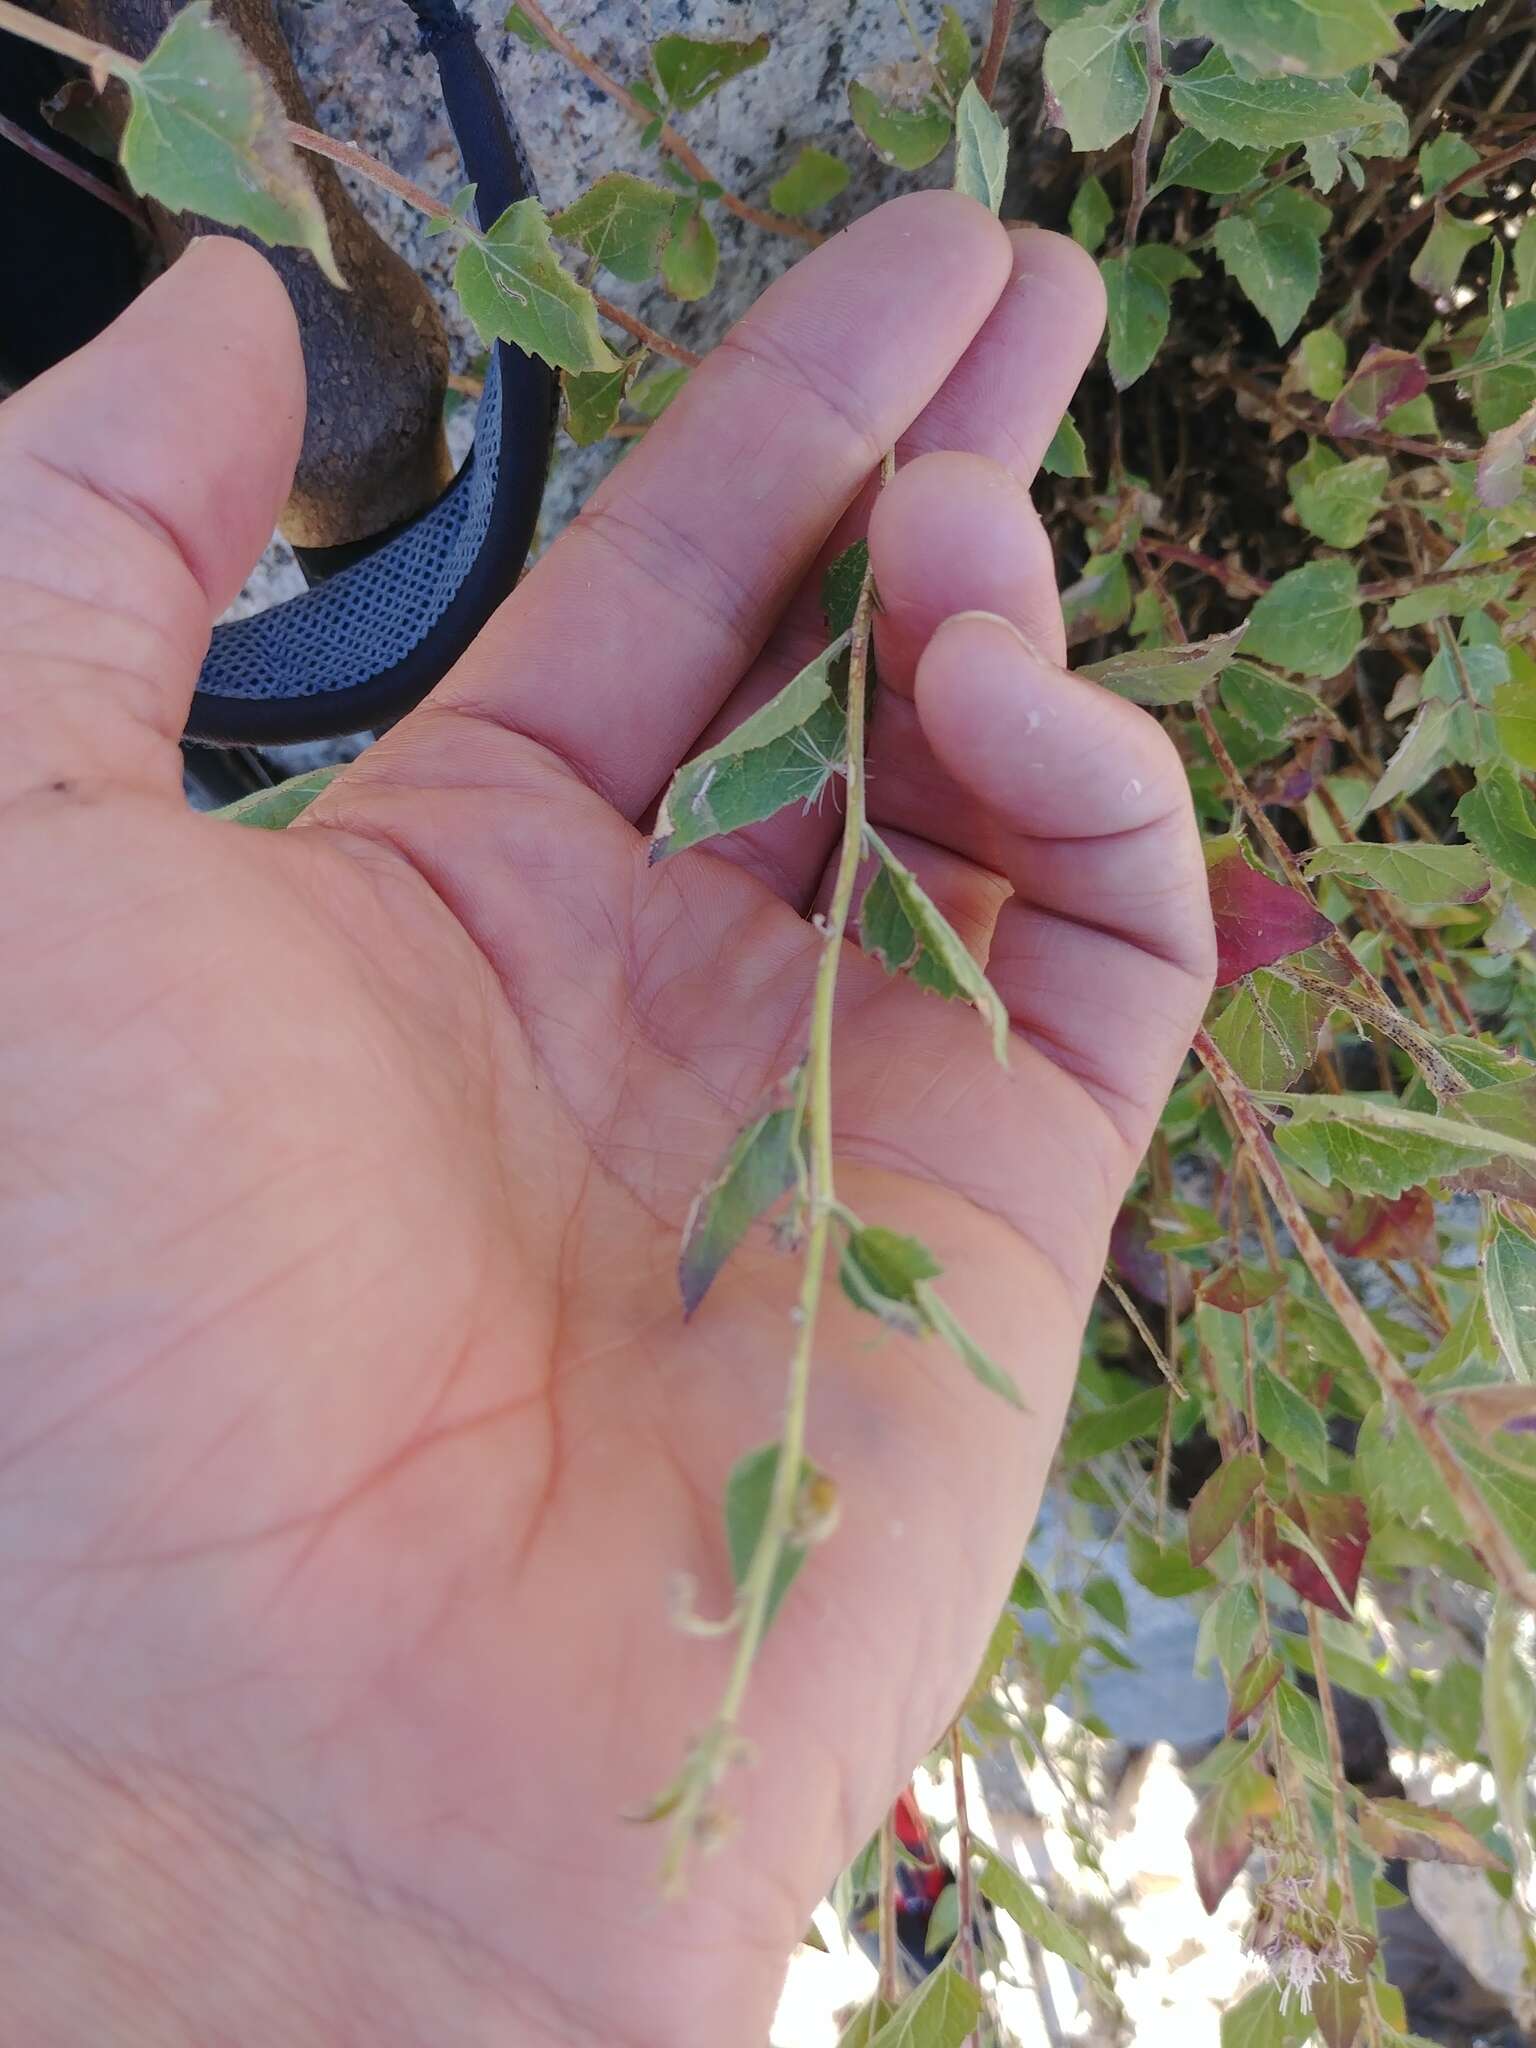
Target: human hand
{"type": "Point", "coordinates": [350, 1430]}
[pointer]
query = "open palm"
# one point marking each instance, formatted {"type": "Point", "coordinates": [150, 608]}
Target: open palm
{"type": "Point", "coordinates": [351, 1434]}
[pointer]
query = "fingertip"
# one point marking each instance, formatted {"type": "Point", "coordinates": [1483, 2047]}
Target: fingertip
{"type": "Point", "coordinates": [1060, 274]}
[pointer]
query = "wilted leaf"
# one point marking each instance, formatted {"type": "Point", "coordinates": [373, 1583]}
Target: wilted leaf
{"type": "Point", "coordinates": [1221, 1834]}
{"type": "Point", "coordinates": [1417, 872]}
{"type": "Point", "coordinates": [1221, 1503]}
{"type": "Point", "coordinates": [1509, 1288]}
{"type": "Point", "coordinates": [1166, 675]}
{"type": "Point", "coordinates": [1334, 499]}
{"type": "Point", "coordinates": [272, 809]}
{"type": "Point", "coordinates": [908, 137]}
{"type": "Point", "coordinates": [1096, 73]}
{"type": "Point", "coordinates": [622, 222]}
{"type": "Point", "coordinates": [1272, 113]}
{"type": "Point", "coordinates": [941, 2013]}
{"type": "Point", "coordinates": [1238, 1287]}
{"type": "Point", "coordinates": [762, 1165]}
{"type": "Point", "coordinates": [1383, 380]}
{"type": "Point", "coordinates": [981, 150]}
{"type": "Point", "coordinates": [691, 259]}
{"type": "Point", "coordinates": [1500, 820]}
{"type": "Point", "coordinates": [1334, 1531]}
{"type": "Point", "coordinates": [1290, 1423]}
{"type": "Point", "coordinates": [206, 133]}
{"type": "Point", "coordinates": [812, 180]}
{"type": "Point", "coordinates": [1015, 1896]}
{"type": "Point", "coordinates": [1252, 1687]}
{"type": "Point", "coordinates": [1309, 621]}
{"type": "Point", "coordinates": [1258, 920]}
{"type": "Point", "coordinates": [1137, 288]}
{"type": "Point", "coordinates": [512, 286]}
{"type": "Point", "coordinates": [748, 1494]}
{"type": "Point", "coordinates": [907, 933]}
{"type": "Point", "coordinates": [786, 752]}
{"type": "Point", "coordinates": [690, 68]}
{"type": "Point", "coordinates": [1422, 1834]}
{"type": "Point", "coordinates": [1274, 249]}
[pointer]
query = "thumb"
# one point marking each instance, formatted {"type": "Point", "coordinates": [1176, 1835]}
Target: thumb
{"type": "Point", "coordinates": [139, 481]}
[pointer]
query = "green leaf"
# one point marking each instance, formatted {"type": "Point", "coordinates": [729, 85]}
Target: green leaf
{"type": "Point", "coordinates": [206, 133]}
{"type": "Point", "coordinates": [1417, 873]}
{"type": "Point", "coordinates": [941, 2013]}
{"type": "Point", "coordinates": [1221, 1834]}
{"type": "Point", "coordinates": [880, 1271]}
{"type": "Point", "coordinates": [1269, 1030]}
{"type": "Point", "coordinates": [1274, 250]}
{"type": "Point", "coordinates": [651, 394]}
{"type": "Point", "coordinates": [1309, 621]}
{"type": "Point", "coordinates": [1337, 500]}
{"type": "Point", "coordinates": [842, 586]}
{"type": "Point", "coordinates": [1509, 1288]}
{"type": "Point", "coordinates": [1166, 675]}
{"type": "Point", "coordinates": [748, 1494]}
{"type": "Point", "coordinates": [1380, 1148]}
{"type": "Point", "coordinates": [1222, 1503]}
{"type": "Point", "coordinates": [901, 928]}
{"type": "Point", "coordinates": [511, 285]}
{"type": "Point", "coordinates": [1096, 72]}
{"type": "Point", "coordinates": [1500, 820]}
{"type": "Point", "coordinates": [786, 752]}
{"type": "Point", "coordinates": [1273, 113]}
{"type": "Point", "coordinates": [908, 137]}
{"type": "Point", "coordinates": [1398, 1476]}
{"type": "Point", "coordinates": [981, 1368]}
{"type": "Point", "coordinates": [814, 178]}
{"type": "Point", "coordinates": [1137, 288]}
{"type": "Point", "coordinates": [1514, 719]}
{"type": "Point", "coordinates": [592, 400]}
{"type": "Point", "coordinates": [1166, 1574]}
{"type": "Point", "coordinates": [1229, 1630]}
{"type": "Point", "coordinates": [1443, 159]}
{"type": "Point", "coordinates": [691, 259]}
{"type": "Point", "coordinates": [689, 68]}
{"type": "Point", "coordinates": [622, 222]}
{"type": "Point", "coordinates": [1319, 38]}
{"type": "Point", "coordinates": [981, 150]}
{"type": "Point", "coordinates": [1269, 706]}
{"type": "Point", "coordinates": [1205, 165]}
{"type": "Point", "coordinates": [952, 52]}
{"type": "Point", "coordinates": [271, 809]}
{"type": "Point", "coordinates": [1438, 265]}
{"type": "Point", "coordinates": [762, 1165]}
{"type": "Point", "coordinates": [524, 30]}
{"type": "Point", "coordinates": [866, 2023]}
{"type": "Point", "coordinates": [1015, 1896]}
{"type": "Point", "coordinates": [1256, 2020]}
{"type": "Point", "coordinates": [1419, 753]}
{"type": "Point", "coordinates": [1290, 1422]}
{"type": "Point", "coordinates": [1101, 1431]}
{"type": "Point", "coordinates": [1066, 455]}
{"type": "Point", "coordinates": [1322, 357]}
{"type": "Point", "coordinates": [1090, 215]}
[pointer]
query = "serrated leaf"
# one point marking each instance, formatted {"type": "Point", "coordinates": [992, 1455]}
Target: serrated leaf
{"type": "Point", "coordinates": [842, 585]}
{"type": "Point", "coordinates": [1382, 382]}
{"type": "Point", "coordinates": [1222, 1503]}
{"type": "Point", "coordinates": [907, 137]}
{"type": "Point", "coordinates": [1258, 920]}
{"type": "Point", "coordinates": [1269, 1031]}
{"type": "Point", "coordinates": [1269, 706]}
{"type": "Point", "coordinates": [621, 222]}
{"type": "Point", "coordinates": [1221, 1835]}
{"type": "Point", "coordinates": [270, 810]}
{"type": "Point", "coordinates": [761, 1166]}
{"type": "Point", "coordinates": [905, 931]}
{"type": "Point", "coordinates": [1422, 1834]}
{"type": "Point", "coordinates": [981, 150]}
{"type": "Point", "coordinates": [592, 400]}
{"type": "Point", "coordinates": [1271, 113]}
{"type": "Point", "coordinates": [1315, 38]}
{"type": "Point", "coordinates": [1096, 73]}
{"type": "Point", "coordinates": [1334, 499]}
{"type": "Point", "coordinates": [1274, 250]}
{"type": "Point", "coordinates": [1317, 1543]}
{"type": "Point", "coordinates": [812, 180]}
{"type": "Point", "coordinates": [1309, 621]}
{"type": "Point", "coordinates": [1446, 157]}
{"type": "Point", "coordinates": [786, 752]}
{"type": "Point", "coordinates": [748, 1494]}
{"type": "Point", "coordinates": [1437, 267]}
{"type": "Point", "coordinates": [1066, 455]}
{"type": "Point", "coordinates": [1210, 166]}
{"type": "Point", "coordinates": [1509, 1288]}
{"type": "Point", "coordinates": [690, 262]}
{"type": "Point", "coordinates": [1136, 287]}
{"type": "Point", "coordinates": [1252, 1687]}
{"type": "Point", "coordinates": [1166, 675]}
{"type": "Point", "coordinates": [1399, 1477]}
{"type": "Point", "coordinates": [1090, 215]}
{"type": "Point", "coordinates": [689, 68]}
{"type": "Point", "coordinates": [1418, 873]}
{"type": "Point", "coordinates": [1290, 1423]}
{"type": "Point", "coordinates": [511, 285]}
{"type": "Point", "coordinates": [1380, 1148]}
{"type": "Point", "coordinates": [1514, 719]}
{"type": "Point", "coordinates": [1500, 820]}
{"type": "Point", "coordinates": [941, 2013]}
{"type": "Point", "coordinates": [1014, 1895]}
{"type": "Point", "coordinates": [206, 133]}
{"type": "Point", "coordinates": [1505, 1114]}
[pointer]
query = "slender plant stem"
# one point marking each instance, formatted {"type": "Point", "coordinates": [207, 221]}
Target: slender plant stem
{"type": "Point", "coordinates": [674, 144]}
{"type": "Point", "coordinates": [1141, 152]}
{"type": "Point", "coordinates": [997, 43]}
{"type": "Point", "coordinates": [965, 1881]}
{"type": "Point", "coordinates": [55, 160]}
{"type": "Point", "coordinates": [1386, 1018]}
{"type": "Point", "coordinates": [1500, 1555]}
{"type": "Point", "coordinates": [889, 1988]}
{"type": "Point", "coordinates": [1349, 1891]}
{"type": "Point", "coordinates": [52, 35]}
{"type": "Point", "coordinates": [661, 343]}
{"type": "Point", "coordinates": [1237, 581]}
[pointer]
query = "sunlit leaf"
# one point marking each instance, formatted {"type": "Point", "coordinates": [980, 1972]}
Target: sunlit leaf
{"type": "Point", "coordinates": [1258, 920]}
{"type": "Point", "coordinates": [1274, 249]}
{"type": "Point", "coordinates": [1383, 380]}
{"type": "Point", "coordinates": [881, 1271]}
{"type": "Point", "coordinates": [1417, 872]}
{"type": "Point", "coordinates": [272, 809]}
{"type": "Point", "coordinates": [812, 180]}
{"type": "Point", "coordinates": [1269, 1030]}
{"type": "Point", "coordinates": [1381, 1148]}
{"type": "Point", "coordinates": [907, 933]}
{"type": "Point", "coordinates": [622, 222]}
{"type": "Point", "coordinates": [941, 2013]}
{"type": "Point", "coordinates": [1096, 73]}
{"type": "Point", "coordinates": [952, 51]}
{"type": "Point", "coordinates": [1274, 113]}
{"type": "Point", "coordinates": [1310, 621]}
{"type": "Point", "coordinates": [1252, 1687]}
{"type": "Point", "coordinates": [1018, 1898]}
{"type": "Point", "coordinates": [520, 26]}
{"type": "Point", "coordinates": [907, 137]}
{"type": "Point", "coordinates": [511, 285]}
{"type": "Point", "coordinates": [1316, 1543]}
{"type": "Point", "coordinates": [592, 400]}
{"type": "Point", "coordinates": [1422, 1834]}
{"type": "Point", "coordinates": [1222, 1502]}
{"type": "Point", "coordinates": [981, 150]}
{"type": "Point", "coordinates": [1166, 675]}
{"type": "Point", "coordinates": [1315, 38]}
{"type": "Point", "coordinates": [1221, 1835]}
{"type": "Point", "coordinates": [689, 68]}
{"type": "Point", "coordinates": [748, 1495]}
{"type": "Point", "coordinates": [1290, 1423]}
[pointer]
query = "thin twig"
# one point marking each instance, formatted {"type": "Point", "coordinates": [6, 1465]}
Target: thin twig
{"type": "Point", "coordinates": [965, 1892]}
{"type": "Point", "coordinates": [674, 144]}
{"type": "Point", "coordinates": [661, 343]}
{"type": "Point", "coordinates": [55, 159]}
{"type": "Point", "coordinates": [889, 1989]}
{"type": "Point", "coordinates": [997, 43]}
{"type": "Point", "coordinates": [1152, 43]}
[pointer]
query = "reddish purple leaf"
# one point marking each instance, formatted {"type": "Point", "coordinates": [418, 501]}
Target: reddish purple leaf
{"type": "Point", "coordinates": [1401, 1229]}
{"type": "Point", "coordinates": [1221, 1503]}
{"type": "Point", "coordinates": [1258, 921]}
{"type": "Point", "coordinates": [1336, 1526]}
{"type": "Point", "coordinates": [1381, 381]}
{"type": "Point", "coordinates": [1144, 1270]}
{"type": "Point", "coordinates": [1220, 1836]}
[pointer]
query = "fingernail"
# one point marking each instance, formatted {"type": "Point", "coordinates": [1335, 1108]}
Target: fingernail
{"type": "Point", "coordinates": [1014, 632]}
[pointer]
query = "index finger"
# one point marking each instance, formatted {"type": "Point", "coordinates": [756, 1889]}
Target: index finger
{"type": "Point", "coordinates": [626, 639]}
